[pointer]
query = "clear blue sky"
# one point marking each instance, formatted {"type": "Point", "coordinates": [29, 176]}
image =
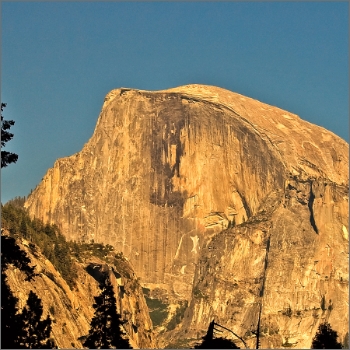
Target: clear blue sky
{"type": "Point", "coordinates": [59, 60]}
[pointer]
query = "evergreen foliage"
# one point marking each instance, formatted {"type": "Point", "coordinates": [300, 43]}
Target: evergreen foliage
{"type": "Point", "coordinates": [325, 338]}
{"type": "Point", "coordinates": [83, 250]}
{"type": "Point", "coordinates": [12, 254]}
{"type": "Point", "coordinates": [17, 202]}
{"type": "Point", "coordinates": [8, 315]}
{"type": "Point", "coordinates": [105, 331]}
{"type": "Point", "coordinates": [20, 330]}
{"type": "Point", "coordinates": [50, 241]}
{"type": "Point", "coordinates": [209, 342]}
{"type": "Point", "coordinates": [6, 157]}
{"type": "Point", "coordinates": [34, 332]}
{"type": "Point", "coordinates": [47, 237]}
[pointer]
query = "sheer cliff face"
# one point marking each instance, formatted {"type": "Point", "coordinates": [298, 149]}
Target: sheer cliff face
{"type": "Point", "coordinates": [165, 172]}
{"type": "Point", "coordinates": [277, 262]}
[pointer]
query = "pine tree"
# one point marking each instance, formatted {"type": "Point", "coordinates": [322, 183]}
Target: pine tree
{"type": "Point", "coordinates": [20, 330]}
{"type": "Point", "coordinates": [209, 342]}
{"type": "Point", "coordinates": [11, 254]}
{"type": "Point", "coordinates": [8, 315]}
{"type": "Point", "coordinates": [325, 338]}
{"type": "Point", "coordinates": [6, 157]}
{"type": "Point", "coordinates": [105, 331]}
{"type": "Point", "coordinates": [34, 332]}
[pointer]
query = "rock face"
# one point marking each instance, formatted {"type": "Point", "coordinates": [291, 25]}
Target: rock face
{"type": "Point", "coordinates": [229, 202]}
{"type": "Point", "coordinates": [71, 311]}
{"type": "Point", "coordinates": [277, 262]}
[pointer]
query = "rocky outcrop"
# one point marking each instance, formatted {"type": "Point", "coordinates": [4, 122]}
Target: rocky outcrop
{"type": "Point", "coordinates": [281, 262]}
{"type": "Point", "coordinates": [169, 174]}
{"type": "Point", "coordinates": [71, 310]}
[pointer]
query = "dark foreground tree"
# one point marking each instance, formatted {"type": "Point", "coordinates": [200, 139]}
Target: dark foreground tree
{"type": "Point", "coordinates": [20, 330]}
{"type": "Point", "coordinates": [6, 157]}
{"type": "Point", "coordinates": [11, 254]}
{"type": "Point", "coordinates": [8, 315]}
{"type": "Point", "coordinates": [209, 342]}
{"type": "Point", "coordinates": [325, 338]}
{"type": "Point", "coordinates": [34, 332]}
{"type": "Point", "coordinates": [105, 331]}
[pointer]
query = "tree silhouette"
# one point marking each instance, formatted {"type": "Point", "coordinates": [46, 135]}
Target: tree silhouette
{"type": "Point", "coordinates": [34, 333]}
{"type": "Point", "coordinates": [11, 254]}
{"type": "Point", "coordinates": [325, 338]}
{"type": "Point", "coordinates": [6, 157]}
{"type": "Point", "coordinates": [8, 315]}
{"type": "Point", "coordinates": [46, 237]}
{"type": "Point", "coordinates": [105, 331]}
{"type": "Point", "coordinates": [20, 330]}
{"type": "Point", "coordinates": [209, 342]}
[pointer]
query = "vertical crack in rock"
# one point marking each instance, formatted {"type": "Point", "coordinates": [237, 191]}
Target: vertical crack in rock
{"type": "Point", "coordinates": [310, 205]}
{"type": "Point", "coordinates": [261, 294]}
{"type": "Point", "coordinates": [246, 207]}
{"type": "Point", "coordinates": [265, 267]}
